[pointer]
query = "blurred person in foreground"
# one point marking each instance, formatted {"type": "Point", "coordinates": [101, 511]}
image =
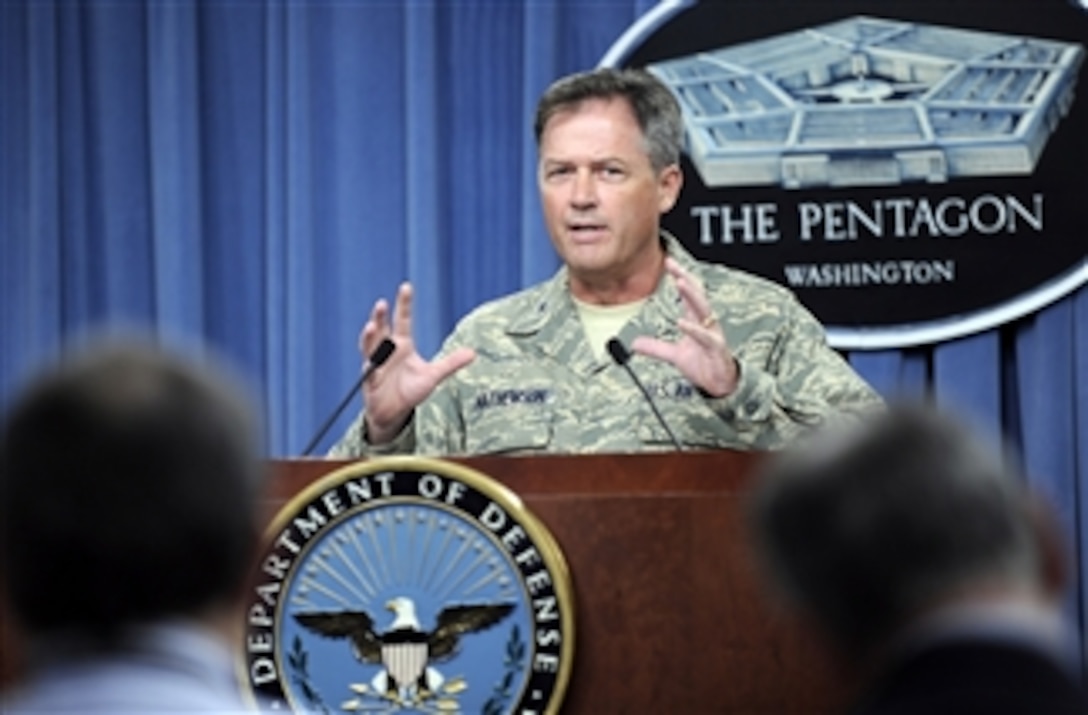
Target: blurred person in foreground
{"type": "Point", "coordinates": [128, 493]}
{"type": "Point", "coordinates": [920, 554]}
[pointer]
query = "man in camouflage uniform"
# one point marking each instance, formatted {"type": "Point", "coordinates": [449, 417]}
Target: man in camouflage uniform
{"type": "Point", "coordinates": [731, 360]}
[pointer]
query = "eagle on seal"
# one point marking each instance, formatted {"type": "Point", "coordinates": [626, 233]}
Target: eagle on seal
{"type": "Point", "coordinates": [404, 648]}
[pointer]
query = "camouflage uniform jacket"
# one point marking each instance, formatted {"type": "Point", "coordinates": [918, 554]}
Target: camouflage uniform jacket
{"type": "Point", "coordinates": [536, 386]}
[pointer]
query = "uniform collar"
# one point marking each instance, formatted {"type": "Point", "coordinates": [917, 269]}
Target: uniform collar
{"type": "Point", "coordinates": [552, 306]}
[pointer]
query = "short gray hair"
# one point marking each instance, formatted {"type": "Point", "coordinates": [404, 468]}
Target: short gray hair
{"type": "Point", "coordinates": [653, 103]}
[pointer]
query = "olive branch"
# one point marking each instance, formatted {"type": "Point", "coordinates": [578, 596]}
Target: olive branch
{"type": "Point", "coordinates": [515, 655]}
{"type": "Point", "coordinates": [298, 661]}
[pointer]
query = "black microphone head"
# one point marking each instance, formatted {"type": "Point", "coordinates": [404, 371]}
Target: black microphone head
{"type": "Point", "coordinates": [618, 352]}
{"type": "Point", "coordinates": [382, 353]}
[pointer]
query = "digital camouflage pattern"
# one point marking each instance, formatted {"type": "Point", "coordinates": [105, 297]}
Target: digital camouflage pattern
{"type": "Point", "coordinates": [536, 385]}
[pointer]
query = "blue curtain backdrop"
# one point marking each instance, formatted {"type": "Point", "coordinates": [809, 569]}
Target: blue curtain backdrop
{"type": "Point", "coordinates": [251, 176]}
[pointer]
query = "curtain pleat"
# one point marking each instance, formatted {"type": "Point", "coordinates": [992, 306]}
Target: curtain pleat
{"type": "Point", "coordinates": [425, 126]}
{"type": "Point", "coordinates": [1078, 483]}
{"type": "Point", "coordinates": [175, 233]}
{"type": "Point", "coordinates": [539, 67]}
{"type": "Point", "coordinates": [1053, 422]}
{"type": "Point", "coordinates": [967, 377]}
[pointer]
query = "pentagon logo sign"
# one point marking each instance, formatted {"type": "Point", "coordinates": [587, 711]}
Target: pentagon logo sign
{"type": "Point", "coordinates": [913, 172]}
{"type": "Point", "coordinates": [409, 585]}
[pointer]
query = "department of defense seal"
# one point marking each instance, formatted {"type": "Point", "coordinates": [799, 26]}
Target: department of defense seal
{"type": "Point", "coordinates": [409, 585]}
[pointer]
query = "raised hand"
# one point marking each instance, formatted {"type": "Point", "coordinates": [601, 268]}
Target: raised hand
{"type": "Point", "coordinates": [406, 379]}
{"type": "Point", "coordinates": [702, 354]}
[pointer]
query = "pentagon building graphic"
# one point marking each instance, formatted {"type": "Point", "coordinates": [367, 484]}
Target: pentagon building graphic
{"type": "Point", "coordinates": [867, 101]}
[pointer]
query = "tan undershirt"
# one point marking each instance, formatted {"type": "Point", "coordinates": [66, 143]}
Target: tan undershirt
{"type": "Point", "coordinates": [602, 322]}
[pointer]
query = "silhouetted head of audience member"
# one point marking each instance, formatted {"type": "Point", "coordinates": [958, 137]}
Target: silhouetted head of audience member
{"type": "Point", "coordinates": [869, 530]}
{"type": "Point", "coordinates": [128, 493]}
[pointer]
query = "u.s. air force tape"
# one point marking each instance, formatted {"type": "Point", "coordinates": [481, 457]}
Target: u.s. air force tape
{"type": "Point", "coordinates": [405, 584]}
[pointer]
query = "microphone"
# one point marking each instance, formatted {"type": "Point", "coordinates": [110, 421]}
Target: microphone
{"type": "Point", "coordinates": [621, 355]}
{"type": "Point", "coordinates": [376, 360]}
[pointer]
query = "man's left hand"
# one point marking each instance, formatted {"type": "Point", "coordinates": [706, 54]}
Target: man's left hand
{"type": "Point", "coordinates": [702, 354]}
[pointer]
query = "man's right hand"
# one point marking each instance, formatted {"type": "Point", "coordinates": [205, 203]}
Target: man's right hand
{"type": "Point", "coordinates": [406, 379]}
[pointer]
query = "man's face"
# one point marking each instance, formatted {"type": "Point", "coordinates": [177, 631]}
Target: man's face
{"type": "Point", "coordinates": [602, 199]}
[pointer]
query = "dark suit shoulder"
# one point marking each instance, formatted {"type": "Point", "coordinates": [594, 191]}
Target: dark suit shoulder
{"type": "Point", "coordinates": [976, 678]}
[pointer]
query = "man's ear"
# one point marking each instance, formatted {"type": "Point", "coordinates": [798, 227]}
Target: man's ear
{"type": "Point", "coordinates": [669, 182]}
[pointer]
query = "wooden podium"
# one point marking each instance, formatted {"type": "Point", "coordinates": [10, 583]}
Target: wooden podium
{"type": "Point", "coordinates": [670, 615]}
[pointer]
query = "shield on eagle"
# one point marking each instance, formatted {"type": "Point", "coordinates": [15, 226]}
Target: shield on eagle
{"type": "Point", "coordinates": [405, 655]}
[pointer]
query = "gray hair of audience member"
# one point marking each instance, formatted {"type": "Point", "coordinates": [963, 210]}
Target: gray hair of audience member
{"type": "Point", "coordinates": [654, 105]}
{"type": "Point", "coordinates": [129, 481]}
{"type": "Point", "coordinates": [866, 528]}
